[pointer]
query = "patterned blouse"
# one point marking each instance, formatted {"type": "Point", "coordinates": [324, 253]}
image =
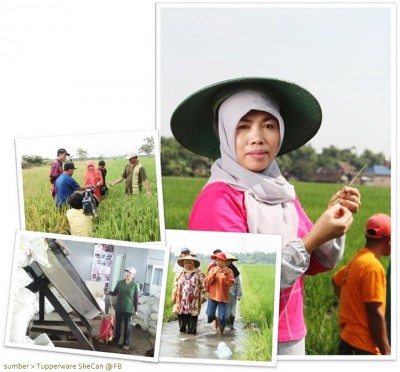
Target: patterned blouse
{"type": "Point", "coordinates": [188, 292]}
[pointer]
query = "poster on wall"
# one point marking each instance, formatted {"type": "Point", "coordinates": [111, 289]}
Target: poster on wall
{"type": "Point", "coordinates": [102, 263]}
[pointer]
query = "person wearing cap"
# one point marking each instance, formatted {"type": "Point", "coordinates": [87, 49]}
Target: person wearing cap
{"type": "Point", "coordinates": [66, 185]}
{"type": "Point", "coordinates": [188, 293]}
{"type": "Point", "coordinates": [235, 292]}
{"type": "Point", "coordinates": [127, 292]}
{"type": "Point", "coordinates": [218, 281]}
{"type": "Point", "coordinates": [245, 124]}
{"type": "Point", "coordinates": [184, 252]}
{"type": "Point", "coordinates": [135, 175]}
{"type": "Point", "coordinates": [213, 263]}
{"type": "Point", "coordinates": [361, 288]}
{"type": "Point", "coordinates": [56, 169]}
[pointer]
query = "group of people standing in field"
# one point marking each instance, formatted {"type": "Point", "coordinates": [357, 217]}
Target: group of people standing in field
{"type": "Point", "coordinates": [220, 287]}
{"type": "Point", "coordinates": [67, 191]}
{"type": "Point", "coordinates": [64, 185]}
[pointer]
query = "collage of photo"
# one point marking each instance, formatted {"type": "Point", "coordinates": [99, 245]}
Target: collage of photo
{"type": "Point", "coordinates": [78, 289]}
{"type": "Point", "coordinates": [250, 227]}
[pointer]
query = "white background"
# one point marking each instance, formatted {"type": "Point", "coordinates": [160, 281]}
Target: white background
{"type": "Point", "coordinates": [70, 67]}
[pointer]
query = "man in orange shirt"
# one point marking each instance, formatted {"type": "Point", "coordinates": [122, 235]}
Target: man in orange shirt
{"type": "Point", "coordinates": [361, 287]}
{"type": "Point", "coordinates": [218, 281]}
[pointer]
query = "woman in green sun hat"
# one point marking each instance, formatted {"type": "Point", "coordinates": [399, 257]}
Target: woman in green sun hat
{"type": "Point", "coordinates": [244, 124]}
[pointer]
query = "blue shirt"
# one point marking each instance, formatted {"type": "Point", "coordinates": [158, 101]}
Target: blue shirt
{"type": "Point", "coordinates": [65, 186]}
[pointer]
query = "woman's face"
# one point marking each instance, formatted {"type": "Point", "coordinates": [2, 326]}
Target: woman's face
{"type": "Point", "coordinates": [188, 264]}
{"type": "Point", "coordinates": [220, 263]}
{"type": "Point", "coordinates": [257, 140]}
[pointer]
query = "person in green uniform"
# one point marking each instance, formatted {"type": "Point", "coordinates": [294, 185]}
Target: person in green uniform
{"type": "Point", "coordinates": [127, 292]}
{"type": "Point", "coordinates": [134, 175]}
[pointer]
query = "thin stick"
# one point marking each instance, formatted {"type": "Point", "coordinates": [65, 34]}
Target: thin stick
{"type": "Point", "coordinates": [354, 178]}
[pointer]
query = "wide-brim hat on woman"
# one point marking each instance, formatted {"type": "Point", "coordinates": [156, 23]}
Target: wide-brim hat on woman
{"type": "Point", "coordinates": [220, 255]}
{"type": "Point", "coordinates": [230, 257]}
{"type": "Point", "coordinates": [181, 261]}
{"type": "Point", "coordinates": [194, 121]}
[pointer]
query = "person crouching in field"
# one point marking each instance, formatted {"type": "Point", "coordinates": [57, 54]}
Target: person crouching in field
{"type": "Point", "coordinates": [361, 287]}
{"type": "Point", "coordinates": [80, 224]}
{"type": "Point", "coordinates": [218, 281]}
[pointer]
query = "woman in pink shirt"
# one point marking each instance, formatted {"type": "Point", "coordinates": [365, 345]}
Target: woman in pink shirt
{"type": "Point", "coordinates": [94, 177]}
{"type": "Point", "coordinates": [245, 123]}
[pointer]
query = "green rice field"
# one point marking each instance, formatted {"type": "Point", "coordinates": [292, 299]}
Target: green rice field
{"type": "Point", "coordinates": [129, 218]}
{"type": "Point", "coordinates": [321, 305]}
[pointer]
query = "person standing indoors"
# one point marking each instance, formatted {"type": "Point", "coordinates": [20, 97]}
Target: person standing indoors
{"type": "Point", "coordinates": [361, 287]}
{"type": "Point", "coordinates": [66, 185]}
{"type": "Point", "coordinates": [188, 294]}
{"type": "Point", "coordinates": [56, 169]}
{"type": "Point", "coordinates": [235, 292]}
{"type": "Point", "coordinates": [93, 177]}
{"type": "Point", "coordinates": [218, 281]}
{"type": "Point", "coordinates": [245, 124]}
{"type": "Point", "coordinates": [126, 305]}
{"type": "Point", "coordinates": [135, 175]}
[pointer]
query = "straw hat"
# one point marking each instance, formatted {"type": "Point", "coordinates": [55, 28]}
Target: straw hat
{"type": "Point", "coordinates": [230, 257]}
{"type": "Point", "coordinates": [183, 259]}
{"type": "Point", "coordinates": [193, 123]}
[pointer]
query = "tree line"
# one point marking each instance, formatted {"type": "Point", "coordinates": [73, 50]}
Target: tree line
{"type": "Point", "coordinates": [300, 164]}
{"type": "Point", "coordinates": [243, 258]}
{"type": "Point", "coordinates": [29, 161]}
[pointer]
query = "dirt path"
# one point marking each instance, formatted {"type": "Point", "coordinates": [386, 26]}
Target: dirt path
{"type": "Point", "coordinates": [204, 344]}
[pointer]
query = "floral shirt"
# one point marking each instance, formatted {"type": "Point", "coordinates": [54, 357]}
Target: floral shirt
{"type": "Point", "coordinates": [188, 292]}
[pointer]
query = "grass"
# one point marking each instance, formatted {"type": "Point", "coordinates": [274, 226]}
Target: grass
{"type": "Point", "coordinates": [257, 310]}
{"type": "Point", "coordinates": [121, 217]}
{"type": "Point", "coordinates": [320, 305]}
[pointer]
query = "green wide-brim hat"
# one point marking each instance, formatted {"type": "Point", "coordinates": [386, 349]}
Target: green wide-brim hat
{"type": "Point", "coordinates": [194, 121]}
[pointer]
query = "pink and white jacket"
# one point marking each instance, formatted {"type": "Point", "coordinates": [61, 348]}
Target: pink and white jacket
{"type": "Point", "coordinates": [220, 207]}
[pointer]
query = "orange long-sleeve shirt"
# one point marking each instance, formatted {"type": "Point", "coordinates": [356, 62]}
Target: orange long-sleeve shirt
{"type": "Point", "coordinates": [218, 282]}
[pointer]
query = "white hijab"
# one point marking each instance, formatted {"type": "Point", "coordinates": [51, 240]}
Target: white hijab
{"type": "Point", "coordinates": [268, 196]}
